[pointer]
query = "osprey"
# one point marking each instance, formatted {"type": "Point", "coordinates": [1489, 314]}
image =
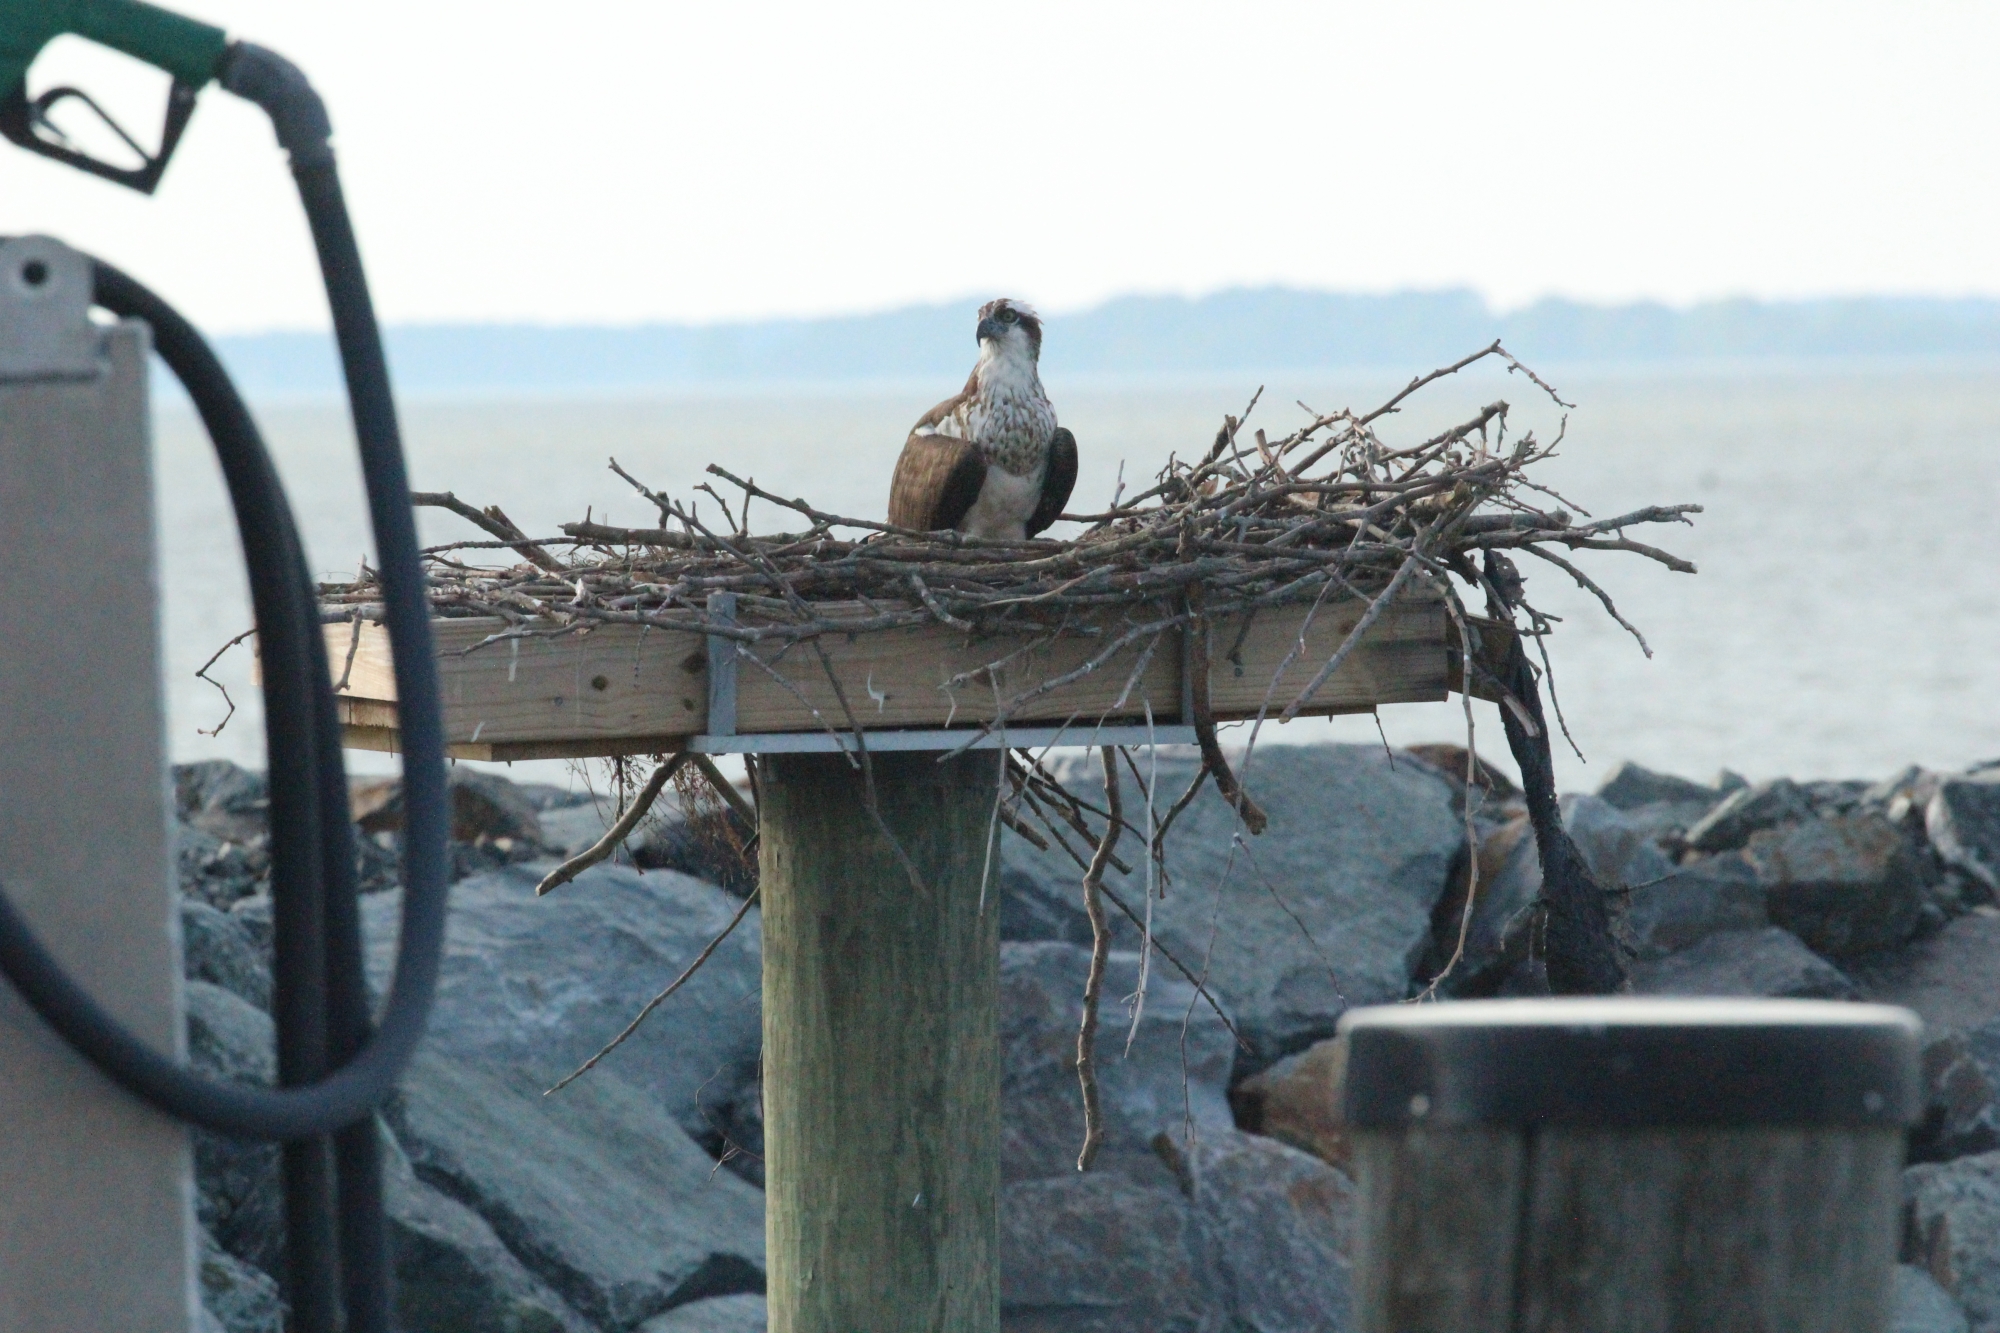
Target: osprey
{"type": "Point", "coordinates": [991, 462]}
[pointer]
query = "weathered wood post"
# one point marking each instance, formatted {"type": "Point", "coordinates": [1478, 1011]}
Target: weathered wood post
{"type": "Point", "coordinates": [881, 1045]}
{"type": "Point", "coordinates": [1581, 1166]}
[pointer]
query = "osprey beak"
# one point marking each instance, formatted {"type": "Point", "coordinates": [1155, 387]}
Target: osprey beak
{"type": "Point", "coordinates": [989, 328]}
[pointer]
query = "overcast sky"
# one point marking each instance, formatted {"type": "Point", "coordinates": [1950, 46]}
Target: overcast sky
{"type": "Point", "coordinates": [627, 160]}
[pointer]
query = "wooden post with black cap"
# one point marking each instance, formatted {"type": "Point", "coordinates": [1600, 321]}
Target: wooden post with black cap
{"type": "Point", "coordinates": [1581, 1166]}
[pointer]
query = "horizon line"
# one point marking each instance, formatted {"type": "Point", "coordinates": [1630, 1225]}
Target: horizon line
{"type": "Point", "coordinates": [1490, 308]}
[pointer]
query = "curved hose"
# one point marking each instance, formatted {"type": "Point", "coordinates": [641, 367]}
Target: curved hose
{"type": "Point", "coordinates": [284, 609]}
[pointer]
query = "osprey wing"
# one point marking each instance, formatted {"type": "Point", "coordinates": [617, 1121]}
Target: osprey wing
{"type": "Point", "coordinates": [944, 419]}
{"type": "Point", "coordinates": [936, 484]}
{"type": "Point", "coordinates": [1058, 480]}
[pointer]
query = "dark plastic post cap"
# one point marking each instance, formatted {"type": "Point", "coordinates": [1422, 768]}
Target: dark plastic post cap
{"type": "Point", "coordinates": [1631, 1063]}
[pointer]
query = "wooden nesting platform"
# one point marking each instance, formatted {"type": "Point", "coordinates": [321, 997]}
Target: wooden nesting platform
{"type": "Point", "coordinates": [629, 689]}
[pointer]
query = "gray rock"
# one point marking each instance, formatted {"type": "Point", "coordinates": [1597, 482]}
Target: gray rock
{"type": "Point", "coordinates": [1963, 821]}
{"type": "Point", "coordinates": [1952, 1231]}
{"type": "Point", "coordinates": [452, 1272]}
{"type": "Point", "coordinates": [215, 870]}
{"type": "Point", "coordinates": [1033, 908]}
{"type": "Point", "coordinates": [254, 915]}
{"type": "Point", "coordinates": [1767, 962]}
{"type": "Point", "coordinates": [534, 986]}
{"type": "Point", "coordinates": [569, 829]}
{"type": "Point", "coordinates": [485, 809]}
{"type": "Point", "coordinates": [1620, 845]}
{"type": "Point", "coordinates": [1747, 811]}
{"type": "Point", "coordinates": [547, 796]}
{"type": "Point", "coordinates": [1960, 1117]}
{"type": "Point", "coordinates": [1629, 787]}
{"type": "Point", "coordinates": [221, 799]}
{"type": "Point", "coordinates": [1693, 901]}
{"type": "Point", "coordinates": [1510, 880]}
{"type": "Point", "coordinates": [1983, 1044]}
{"type": "Point", "coordinates": [1846, 885]}
{"type": "Point", "coordinates": [1830, 797]}
{"type": "Point", "coordinates": [1330, 907]}
{"type": "Point", "coordinates": [1297, 1101]}
{"type": "Point", "coordinates": [1101, 1253]}
{"type": "Point", "coordinates": [1166, 1080]}
{"type": "Point", "coordinates": [1920, 1305]}
{"type": "Point", "coordinates": [1951, 979]}
{"type": "Point", "coordinates": [219, 947]}
{"type": "Point", "coordinates": [724, 1314]}
{"type": "Point", "coordinates": [238, 1194]}
{"type": "Point", "coordinates": [1277, 1227]}
{"type": "Point", "coordinates": [236, 1296]}
{"type": "Point", "coordinates": [593, 1189]}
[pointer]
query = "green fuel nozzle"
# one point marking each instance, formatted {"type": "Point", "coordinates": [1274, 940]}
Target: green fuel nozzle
{"type": "Point", "coordinates": [189, 51]}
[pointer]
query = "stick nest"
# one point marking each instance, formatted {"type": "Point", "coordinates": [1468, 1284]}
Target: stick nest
{"type": "Point", "coordinates": [1329, 510]}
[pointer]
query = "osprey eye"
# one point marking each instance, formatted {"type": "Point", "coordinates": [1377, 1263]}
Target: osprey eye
{"type": "Point", "coordinates": [1008, 317]}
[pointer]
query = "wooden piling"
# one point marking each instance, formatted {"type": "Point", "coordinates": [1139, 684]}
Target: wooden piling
{"type": "Point", "coordinates": [881, 1045]}
{"type": "Point", "coordinates": [1649, 1167]}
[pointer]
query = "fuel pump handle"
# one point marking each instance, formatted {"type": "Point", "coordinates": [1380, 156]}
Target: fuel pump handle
{"type": "Point", "coordinates": [188, 50]}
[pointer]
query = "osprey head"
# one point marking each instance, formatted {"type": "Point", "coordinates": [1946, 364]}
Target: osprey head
{"type": "Point", "coordinates": [1010, 327]}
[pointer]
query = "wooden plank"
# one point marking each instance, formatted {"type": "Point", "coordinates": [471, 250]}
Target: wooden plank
{"type": "Point", "coordinates": [901, 679]}
{"type": "Point", "coordinates": [634, 690]}
{"type": "Point", "coordinates": [617, 682]}
{"type": "Point", "coordinates": [1401, 660]}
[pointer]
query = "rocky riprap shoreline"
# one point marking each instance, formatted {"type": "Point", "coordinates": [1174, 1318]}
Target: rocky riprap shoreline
{"type": "Point", "coordinates": [630, 1200]}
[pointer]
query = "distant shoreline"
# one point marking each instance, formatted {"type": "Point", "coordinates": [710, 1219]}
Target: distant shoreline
{"type": "Point", "coordinates": [1129, 340]}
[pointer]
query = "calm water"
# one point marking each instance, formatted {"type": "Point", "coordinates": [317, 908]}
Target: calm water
{"type": "Point", "coordinates": [1845, 620]}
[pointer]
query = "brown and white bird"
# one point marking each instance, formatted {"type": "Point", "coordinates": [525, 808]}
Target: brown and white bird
{"type": "Point", "coordinates": [991, 462]}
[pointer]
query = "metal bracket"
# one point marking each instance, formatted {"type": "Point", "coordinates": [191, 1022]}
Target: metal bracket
{"type": "Point", "coordinates": [961, 738]}
{"type": "Point", "coordinates": [45, 328]}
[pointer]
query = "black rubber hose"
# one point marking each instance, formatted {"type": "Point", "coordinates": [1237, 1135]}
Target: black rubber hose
{"type": "Point", "coordinates": [299, 118]}
{"type": "Point", "coordinates": [351, 1092]}
{"type": "Point", "coordinates": [303, 129]}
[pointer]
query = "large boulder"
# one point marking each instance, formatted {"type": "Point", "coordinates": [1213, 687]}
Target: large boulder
{"type": "Point", "coordinates": [1952, 1230]}
{"type": "Point", "coordinates": [218, 947]}
{"type": "Point", "coordinates": [1277, 1230]}
{"type": "Point", "coordinates": [534, 986]}
{"type": "Point", "coordinates": [1620, 846]}
{"type": "Point", "coordinates": [1920, 1305]}
{"type": "Point", "coordinates": [227, 802]}
{"type": "Point", "coordinates": [1494, 939]}
{"type": "Point", "coordinates": [1297, 1102]}
{"type": "Point", "coordinates": [1175, 1072]}
{"type": "Point", "coordinates": [1963, 821]}
{"type": "Point", "coordinates": [1951, 979]}
{"type": "Point", "coordinates": [1690, 902]}
{"type": "Point", "coordinates": [1632, 787]}
{"type": "Point", "coordinates": [485, 807]}
{"type": "Point", "coordinates": [593, 1189]}
{"type": "Point", "coordinates": [1846, 885]}
{"type": "Point", "coordinates": [452, 1272]}
{"type": "Point", "coordinates": [1749, 810]}
{"type": "Point", "coordinates": [1767, 962]}
{"type": "Point", "coordinates": [1960, 1117]}
{"type": "Point", "coordinates": [1330, 907]}
{"type": "Point", "coordinates": [1101, 1253]}
{"type": "Point", "coordinates": [216, 870]}
{"type": "Point", "coordinates": [723, 1314]}
{"type": "Point", "coordinates": [237, 1297]}
{"type": "Point", "coordinates": [239, 1197]}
